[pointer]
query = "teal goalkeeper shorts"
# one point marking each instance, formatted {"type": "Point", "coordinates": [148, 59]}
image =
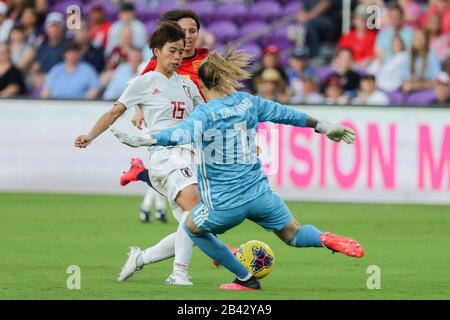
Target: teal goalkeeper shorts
{"type": "Point", "coordinates": [268, 210]}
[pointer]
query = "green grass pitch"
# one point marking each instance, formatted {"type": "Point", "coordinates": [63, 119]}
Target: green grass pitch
{"type": "Point", "coordinates": [41, 235]}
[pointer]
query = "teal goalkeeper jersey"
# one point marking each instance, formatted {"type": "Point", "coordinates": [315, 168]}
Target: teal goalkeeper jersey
{"type": "Point", "coordinates": [224, 132]}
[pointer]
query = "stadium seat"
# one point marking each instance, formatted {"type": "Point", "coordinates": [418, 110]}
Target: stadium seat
{"type": "Point", "coordinates": [422, 97]}
{"type": "Point", "coordinates": [252, 27]}
{"type": "Point", "coordinates": [324, 72]}
{"type": "Point", "coordinates": [150, 26]}
{"type": "Point", "coordinates": [252, 48]}
{"type": "Point", "coordinates": [264, 11]}
{"type": "Point", "coordinates": [235, 11]}
{"type": "Point", "coordinates": [396, 98]}
{"type": "Point", "coordinates": [292, 8]}
{"type": "Point", "coordinates": [204, 9]}
{"type": "Point", "coordinates": [279, 34]}
{"type": "Point", "coordinates": [224, 31]}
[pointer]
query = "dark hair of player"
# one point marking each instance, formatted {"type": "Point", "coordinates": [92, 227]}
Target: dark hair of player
{"type": "Point", "coordinates": [178, 14]}
{"type": "Point", "coordinates": [167, 31]}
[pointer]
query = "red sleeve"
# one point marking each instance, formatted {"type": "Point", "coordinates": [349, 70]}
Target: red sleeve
{"type": "Point", "coordinates": [150, 66]}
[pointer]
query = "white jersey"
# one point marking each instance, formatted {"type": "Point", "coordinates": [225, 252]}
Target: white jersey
{"type": "Point", "coordinates": [164, 102]}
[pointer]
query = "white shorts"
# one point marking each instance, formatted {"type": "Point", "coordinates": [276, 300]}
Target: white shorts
{"type": "Point", "coordinates": [171, 169]}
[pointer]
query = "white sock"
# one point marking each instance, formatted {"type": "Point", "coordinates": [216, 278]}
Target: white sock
{"type": "Point", "coordinates": [249, 275]}
{"type": "Point", "coordinates": [183, 248]}
{"type": "Point", "coordinates": [160, 202]}
{"type": "Point", "coordinates": [164, 249]}
{"type": "Point", "coordinates": [148, 200]}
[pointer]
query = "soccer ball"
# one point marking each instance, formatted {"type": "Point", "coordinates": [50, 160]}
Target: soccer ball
{"type": "Point", "coordinates": [257, 257]}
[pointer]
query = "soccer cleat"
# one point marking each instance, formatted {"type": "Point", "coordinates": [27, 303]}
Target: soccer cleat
{"type": "Point", "coordinates": [130, 267]}
{"type": "Point", "coordinates": [344, 245]}
{"type": "Point", "coordinates": [161, 216]}
{"type": "Point", "coordinates": [131, 175]}
{"type": "Point", "coordinates": [250, 284]}
{"type": "Point", "coordinates": [233, 251]}
{"type": "Point", "coordinates": [179, 279]}
{"type": "Point", "coordinates": [144, 216]}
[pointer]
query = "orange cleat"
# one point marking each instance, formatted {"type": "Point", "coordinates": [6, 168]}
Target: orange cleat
{"type": "Point", "coordinates": [235, 287]}
{"type": "Point", "coordinates": [344, 245]}
{"type": "Point", "coordinates": [131, 175]}
{"type": "Point", "coordinates": [233, 251]}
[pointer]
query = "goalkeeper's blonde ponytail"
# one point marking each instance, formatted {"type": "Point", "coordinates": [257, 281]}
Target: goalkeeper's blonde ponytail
{"type": "Point", "coordinates": [224, 73]}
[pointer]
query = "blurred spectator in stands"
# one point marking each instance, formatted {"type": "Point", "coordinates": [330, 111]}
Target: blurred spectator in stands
{"type": "Point", "coordinates": [5, 23]}
{"type": "Point", "coordinates": [322, 20]}
{"type": "Point", "coordinates": [126, 18]}
{"type": "Point", "coordinates": [442, 88]}
{"type": "Point", "coordinates": [368, 93]}
{"type": "Point", "coordinates": [119, 54]}
{"type": "Point", "coordinates": [342, 65]}
{"type": "Point", "coordinates": [270, 60]}
{"type": "Point", "coordinates": [422, 64]}
{"type": "Point", "coordinates": [99, 27]}
{"type": "Point", "coordinates": [310, 90]}
{"type": "Point", "coordinates": [388, 75]}
{"type": "Point", "coordinates": [50, 52]}
{"type": "Point", "coordinates": [205, 39]}
{"type": "Point", "coordinates": [123, 74]}
{"type": "Point", "coordinates": [360, 40]}
{"type": "Point", "coordinates": [446, 65]}
{"type": "Point", "coordinates": [298, 66]}
{"type": "Point", "coordinates": [439, 42]}
{"type": "Point", "coordinates": [11, 81]}
{"type": "Point", "coordinates": [334, 91]}
{"type": "Point", "coordinates": [18, 7]}
{"type": "Point", "coordinates": [384, 37]}
{"type": "Point", "coordinates": [413, 12]}
{"type": "Point", "coordinates": [272, 86]}
{"type": "Point", "coordinates": [30, 21]}
{"type": "Point", "coordinates": [95, 56]}
{"type": "Point", "coordinates": [73, 78]}
{"type": "Point", "coordinates": [22, 54]}
{"type": "Point", "coordinates": [441, 7]}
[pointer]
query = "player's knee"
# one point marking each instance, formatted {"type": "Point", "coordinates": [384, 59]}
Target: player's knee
{"type": "Point", "coordinates": [288, 232]}
{"type": "Point", "coordinates": [190, 227]}
{"type": "Point", "coordinates": [188, 198]}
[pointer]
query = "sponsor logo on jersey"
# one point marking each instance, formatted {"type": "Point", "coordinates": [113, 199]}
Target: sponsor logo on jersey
{"type": "Point", "coordinates": [186, 172]}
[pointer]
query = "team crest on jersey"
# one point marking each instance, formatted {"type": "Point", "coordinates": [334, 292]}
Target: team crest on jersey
{"type": "Point", "coordinates": [187, 173]}
{"type": "Point", "coordinates": [195, 65]}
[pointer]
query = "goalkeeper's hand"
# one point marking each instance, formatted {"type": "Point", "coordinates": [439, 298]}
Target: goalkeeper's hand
{"type": "Point", "coordinates": [133, 141]}
{"type": "Point", "coordinates": [336, 132]}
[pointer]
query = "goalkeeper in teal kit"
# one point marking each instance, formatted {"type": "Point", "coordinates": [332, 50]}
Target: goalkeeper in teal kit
{"type": "Point", "coordinates": [232, 184]}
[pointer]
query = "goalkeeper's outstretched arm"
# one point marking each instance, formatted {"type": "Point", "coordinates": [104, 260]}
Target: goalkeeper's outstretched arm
{"type": "Point", "coordinates": [277, 113]}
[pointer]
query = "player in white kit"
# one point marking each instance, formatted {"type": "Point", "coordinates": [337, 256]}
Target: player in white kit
{"type": "Point", "coordinates": [166, 99]}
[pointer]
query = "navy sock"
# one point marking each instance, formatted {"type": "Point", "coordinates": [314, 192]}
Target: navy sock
{"type": "Point", "coordinates": [143, 176]}
{"type": "Point", "coordinates": [218, 251]}
{"type": "Point", "coordinates": [307, 236]}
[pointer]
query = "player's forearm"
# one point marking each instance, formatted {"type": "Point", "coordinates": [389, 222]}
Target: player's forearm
{"type": "Point", "coordinates": [171, 137]}
{"type": "Point", "coordinates": [106, 120]}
